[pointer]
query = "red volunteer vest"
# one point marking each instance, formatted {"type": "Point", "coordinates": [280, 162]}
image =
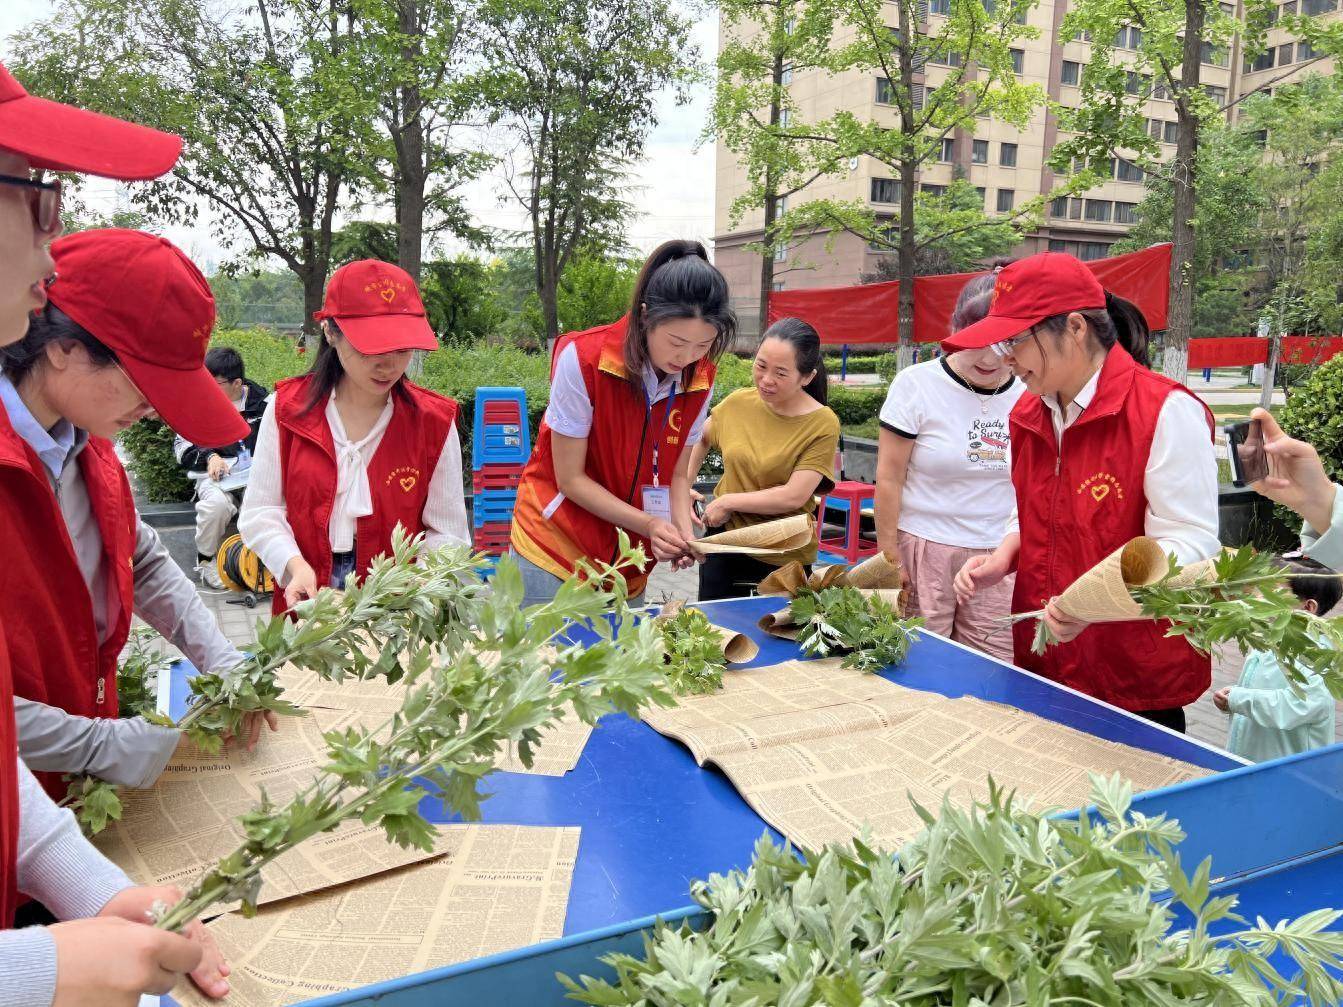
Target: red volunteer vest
{"type": "Point", "coordinates": [9, 784]}
{"type": "Point", "coordinates": [398, 475]}
{"type": "Point", "coordinates": [555, 533]}
{"type": "Point", "coordinates": [1078, 505]}
{"type": "Point", "coordinates": [45, 606]}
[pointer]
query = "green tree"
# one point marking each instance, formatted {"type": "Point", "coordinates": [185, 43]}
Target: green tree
{"type": "Point", "coordinates": [754, 115]}
{"type": "Point", "coordinates": [595, 289]}
{"type": "Point", "coordinates": [460, 300]}
{"type": "Point", "coordinates": [365, 239]}
{"type": "Point", "coordinates": [1173, 43]}
{"type": "Point", "coordinates": [245, 299]}
{"type": "Point", "coordinates": [274, 104]}
{"type": "Point", "coordinates": [575, 83]}
{"type": "Point", "coordinates": [975, 76]}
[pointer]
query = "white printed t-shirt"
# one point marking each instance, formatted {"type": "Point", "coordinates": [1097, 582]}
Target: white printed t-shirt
{"type": "Point", "coordinates": [958, 489]}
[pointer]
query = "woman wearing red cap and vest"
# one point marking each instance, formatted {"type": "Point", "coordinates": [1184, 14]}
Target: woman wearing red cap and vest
{"type": "Point", "coordinates": [105, 954]}
{"type": "Point", "coordinates": [352, 449]}
{"type": "Point", "coordinates": [625, 401]}
{"type": "Point", "coordinates": [1103, 450]}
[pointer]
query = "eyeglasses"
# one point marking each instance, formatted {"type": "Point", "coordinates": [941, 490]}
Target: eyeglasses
{"type": "Point", "coordinates": [1008, 346]}
{"type": "Point", "coordinates": [46, 201]}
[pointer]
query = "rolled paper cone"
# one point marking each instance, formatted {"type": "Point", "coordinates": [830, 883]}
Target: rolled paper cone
{"type": "Point", "coordinates": [780, 624]}
{"type": "Point", "coordinates": [765, 539]}
{"type": "Point", "coordinates": [1202, 572]}
{"type": "Point", "coordinates": [1102, 593]}
{"type": "Point", "coordinates": [785, 580]}
{"type": "Point", "coordinates": [831, 576]}
{"type": "Point", "coordinates": [738, 648]}
{"type": "Point", "coordinates": [875, 571]}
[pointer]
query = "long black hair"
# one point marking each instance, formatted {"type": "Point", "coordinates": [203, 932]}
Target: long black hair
{"type": "Point", "coordinates": [50, 325]}
{"type": "Point", "coordinates": [327, 370]}
{"type": "Point", "coordinates": [1120, 321]}
{"type": "Point", "coordinates": [677, 281]}
{"type": "Point", "coordinates": [806, 344]}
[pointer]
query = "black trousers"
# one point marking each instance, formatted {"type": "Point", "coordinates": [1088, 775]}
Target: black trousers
{"type": "Point", "coordinates": [731, 576]}
{"type": "Point", "coordinates": [1172, 718]}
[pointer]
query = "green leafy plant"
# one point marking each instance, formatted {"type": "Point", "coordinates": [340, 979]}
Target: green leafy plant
{"type": "Point", "coordinates": [1245, 600]}
{"type": "Point", "coordinates": [991, 905]}
{"type": "Point", "coordinates": [694, 653]}
{"type": "Point", "coordinates": [483, 680]}
{"type": "Point", "coordinates": [844, 619]}
{"type": "Point", "coordinates": [149, 452]}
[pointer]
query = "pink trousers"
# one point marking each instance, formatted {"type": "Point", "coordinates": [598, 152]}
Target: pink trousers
{"type": "Point", "coordinates": [932, 567]}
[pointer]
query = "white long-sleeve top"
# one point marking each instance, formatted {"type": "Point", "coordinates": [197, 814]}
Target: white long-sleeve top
{"type": "Point", "coordinates": [263, 520]}
{"type": "Point", "coordinates": [1180, 480]}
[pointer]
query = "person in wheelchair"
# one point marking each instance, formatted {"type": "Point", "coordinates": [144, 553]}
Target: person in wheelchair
{"type": "Point", "coordinates": [220, 474]}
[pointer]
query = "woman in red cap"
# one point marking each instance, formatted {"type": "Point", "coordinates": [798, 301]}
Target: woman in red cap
{"type": "Point", "coordinates": [625, 400]}
{"type": "Point", "coordinates": [351, 449]}
{"type": "Point", "coordinates": [105, 954]}
{"type": "Point", "coordinates": [1103, 450]}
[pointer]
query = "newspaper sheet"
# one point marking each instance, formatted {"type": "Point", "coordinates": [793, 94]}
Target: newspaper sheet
{"type": "Point", "coordinates": [765, 539]}
{"type": "Point", "coordinates": [822, 752]}
{"type": "Point", "coordinates": [498, 887]}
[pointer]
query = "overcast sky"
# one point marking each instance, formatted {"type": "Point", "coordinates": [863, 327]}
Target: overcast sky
{"type": "Point", "coordinates": [672, 188]}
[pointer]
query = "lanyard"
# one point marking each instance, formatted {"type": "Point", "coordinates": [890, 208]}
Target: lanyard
{"type": "Point", "coordinates": [666, 418]}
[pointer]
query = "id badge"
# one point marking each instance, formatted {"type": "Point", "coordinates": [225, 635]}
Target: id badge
{"type": "Point", "coordinates": [657, 502]}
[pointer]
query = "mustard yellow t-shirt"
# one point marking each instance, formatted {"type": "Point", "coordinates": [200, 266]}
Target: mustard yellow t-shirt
{"type": "Point", "coordinates": [762, 450]}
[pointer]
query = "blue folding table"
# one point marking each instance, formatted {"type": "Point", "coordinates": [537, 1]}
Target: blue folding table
{"type": "Point", "coordinates": [652, 820]}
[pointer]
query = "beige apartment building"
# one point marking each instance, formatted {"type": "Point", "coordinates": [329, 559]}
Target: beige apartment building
{"type": "Point", "coordinates": [1005, 164]}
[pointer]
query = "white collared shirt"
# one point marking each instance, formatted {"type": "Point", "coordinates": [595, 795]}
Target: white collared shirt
{"type": "Point", "coordinates": [569, 411]}
{"type": "Point", "coordinates": [1180, 478]}
{"type": "Point", "coordinates": [263, 520]}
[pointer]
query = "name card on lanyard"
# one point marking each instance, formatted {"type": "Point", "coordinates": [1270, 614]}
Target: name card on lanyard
{"type": "Point", "coordinates": [657, 498]}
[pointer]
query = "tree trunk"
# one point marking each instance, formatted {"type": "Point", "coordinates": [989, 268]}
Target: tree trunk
{"type": "Point", "coordinates": [314, 289]}
{"type": "Point", "coordinates": [1175, 360]}
{"type": "Point", "coordinates": [412, 172]}
{"type": "Point", "coordinates": [771, 207]}
{"type": "Point", "coordinates": [908, 171]}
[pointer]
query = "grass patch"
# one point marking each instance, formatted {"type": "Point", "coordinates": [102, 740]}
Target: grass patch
{"type": "Point", "coordinates": [867, 429]}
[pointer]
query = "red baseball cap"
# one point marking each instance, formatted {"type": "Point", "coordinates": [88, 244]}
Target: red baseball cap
{"type": "Point", "coordinates": [59, 137]}
{"type": "Point", "coordinates": [1026, 293]}
{"type": "Point", "coordinates": [149, 304]}
{"type": "Point", "coordinates": [377, 307]}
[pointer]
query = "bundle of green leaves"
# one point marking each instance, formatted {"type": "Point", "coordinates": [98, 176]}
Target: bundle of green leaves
{"type": "Point", "coordinates": [992, 906]}
{"type": "Point", "coordinates": [482, 680]}
{"type": "Point", "coordinates": [1243, 598]}
{"type": "Point", "coordinates": [867, 627]}
{"type": "Point", "coordinates": [694, 652]}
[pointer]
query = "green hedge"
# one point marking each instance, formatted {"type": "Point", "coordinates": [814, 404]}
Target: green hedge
{"type": "Point", "coordinates": [267, 356]}
{"type": "Point", "coordinates": [149, 449]}
{"type": "Point", "coordinates": [1314, 413]}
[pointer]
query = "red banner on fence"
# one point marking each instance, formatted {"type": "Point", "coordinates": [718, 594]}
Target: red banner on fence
{"type": "Point", "coordinates": [1242, 351]}
{"type": "Point", "coordinates": [869, 313]}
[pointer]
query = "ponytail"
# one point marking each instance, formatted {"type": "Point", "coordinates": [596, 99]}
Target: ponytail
{"type": "Point", "coordinates": [806, 344]}
{"type": "Point", "coordinates": [1120, 321]}
{"type": "Point", "coordinates": [677, 281]}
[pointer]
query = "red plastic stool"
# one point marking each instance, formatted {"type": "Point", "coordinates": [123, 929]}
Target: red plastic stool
{"type": "Point", "coordinates": [850, 498]}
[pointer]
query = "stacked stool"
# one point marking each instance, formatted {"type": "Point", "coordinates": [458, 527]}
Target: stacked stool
{"type": "Point", "coordinates": [501, 443]}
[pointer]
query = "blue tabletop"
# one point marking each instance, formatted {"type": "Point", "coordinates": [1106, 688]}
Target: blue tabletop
{"type": "Point", "coordinates": [653, 820]}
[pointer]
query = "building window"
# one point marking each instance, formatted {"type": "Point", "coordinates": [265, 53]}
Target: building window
{"type": "Point", "coordinates": [1082, 36]}
{"type": "Point", "coordinates": [1071, 72]}
{"type": "Point", "coordinates": [1128, 37]}
{"type": "Point", "coordinates": [781, 252]}
{"type": "Point", "coordinates": [942, 7]}
{"type": "Point", "coordinates": [1214, 55]}
{"type": "Point", "coordinates": [1312, 7]}
{"type": "Point", "coordinates": [885, 91]}
{"type": "Point", "coordinates": [1264, 61]}
{"type": "Point", "coordinates": [1007, 155]}
{"type": "Point", "coordinates": [1099, 210]}
{"type": "Point", "coordinates": [1289, 8]}
{"type": "Point", "coordinates": [785, 117]}
{"type": "Point", "coordinates": [1127, 171]}
{"type": "Point", "coordinates": [1089, 250]}
{"type": "Point", "coordinates": [982, 193]}
{"type": "Point", "coordinates": [1160, 92]}
{"type": "Point", "coordinates": [1217, 94]}
{"type": "Point", "coordinates": [941, 56]}
{"type": "Point", "coordinates": [1006, 197]}
{"type": "Point", "coordinates": [1285, 54]}
{"type": "Point", "coordinates": [786, 77]}
{"type": "Point", "coordinates": [885, 190]}
{"type": "Point", "coordinates": [948, 151]}
{"type": "Point", "coordinates": [1126, 213]}
{"type": "Point", "coordinates": [1059, 207]}
{"type": "Point", "coordinates": [979, 152]}
{"type": "Point", "coordinates": [929, 189]}
{"type": "Point", "coordinates": [1305, 51]}
{"type": "Point", "coordinates": [1137, 83]}
{"type": "Point", "coordinates": [1018, 60]}
{"type": "Point", "coordinates": [1162, 130]}
{"type": "Point", "coordinates": [1057, 245]}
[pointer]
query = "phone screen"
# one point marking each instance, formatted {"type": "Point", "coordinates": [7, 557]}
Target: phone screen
{"type": "Point", "coordinates": [1245, 446]}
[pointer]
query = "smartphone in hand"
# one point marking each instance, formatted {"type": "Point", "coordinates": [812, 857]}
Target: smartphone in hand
{"type": "Point", "coordinates": [1245, 447]}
